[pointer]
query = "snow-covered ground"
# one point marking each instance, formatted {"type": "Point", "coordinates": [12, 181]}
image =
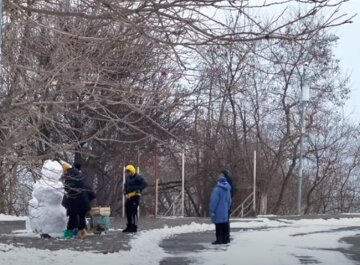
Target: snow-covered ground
{"type": "Point", "coordinates": [284, 242]}
{"type": "Point", "coordinates": [4, 217]}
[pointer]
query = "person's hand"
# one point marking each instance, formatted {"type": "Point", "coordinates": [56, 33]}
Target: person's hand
{"type": "Point", "coordinates": [212, 217]}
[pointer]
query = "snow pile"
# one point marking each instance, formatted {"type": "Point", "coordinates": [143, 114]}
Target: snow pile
{"type": "Point", "coordinates": [4, 217]}
{"type": "Point", "coordinates": [46, 214]}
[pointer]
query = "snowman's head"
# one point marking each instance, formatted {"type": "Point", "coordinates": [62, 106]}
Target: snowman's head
{"type": "Point", "coordinates": [51, 170]}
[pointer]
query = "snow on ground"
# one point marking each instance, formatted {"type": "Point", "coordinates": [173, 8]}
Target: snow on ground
{"type": "Point", "coordinates": [281, 242]}
{"type": "Point", "coordinates": [144, 250]}
{"type": "Point", "coordinates": [4, 217]}
{"type": "Point", "coordinates": [285, 245]}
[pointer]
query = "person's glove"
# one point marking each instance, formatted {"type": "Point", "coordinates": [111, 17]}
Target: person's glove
{"type": "Point", "coordinates": [212, 217]}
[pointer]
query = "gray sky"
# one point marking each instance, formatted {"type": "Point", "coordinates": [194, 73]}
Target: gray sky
{"type": "Point", "coordinates": [348, 51]}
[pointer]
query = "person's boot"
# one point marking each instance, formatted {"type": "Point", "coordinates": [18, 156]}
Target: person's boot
{"type": "Point", "coordinates": [82, 234]}
{"type": "Point", "coordinates": [126, 230]}
{"type": "Point", "coordinates": [133, 229]}
{"type": "Point", "coordinates": [68, 233]}
{"type": "Point", "coordinates": [75, 231]}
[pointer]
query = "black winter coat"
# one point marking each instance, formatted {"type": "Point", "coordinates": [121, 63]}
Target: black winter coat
{"type": "Point", "coordinates": [134, 183]}
{"type": "Point", "coordinates": [78, 195]}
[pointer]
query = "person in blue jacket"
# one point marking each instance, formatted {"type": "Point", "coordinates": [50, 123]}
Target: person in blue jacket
{"type": "Point", "coordinates": [225, 173]}
{"type": "Point", "coordinates": [220, 202]}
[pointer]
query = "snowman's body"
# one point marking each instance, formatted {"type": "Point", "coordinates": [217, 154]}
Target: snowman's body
{"type": "Point", "coordinates": [46, 214]}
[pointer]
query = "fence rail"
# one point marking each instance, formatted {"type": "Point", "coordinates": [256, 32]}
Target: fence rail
{"type": "Point", "coordinates": [245, 208]}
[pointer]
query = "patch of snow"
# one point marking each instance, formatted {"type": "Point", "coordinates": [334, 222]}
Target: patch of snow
{"type": "Point", "coordinates": [4, 217]}
{"type": "Point", "coordinates": [300, 242]}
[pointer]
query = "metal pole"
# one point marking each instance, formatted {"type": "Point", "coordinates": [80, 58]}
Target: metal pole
{"type": "Point", "coordinates": [1, 24]}
{"type": "Point", "coordinates": [156, 185]}
{"type": "Point", "coordinates": [182, 184]}
{"type": "Point", "coordinates": [156, 196]}
{"type": "Point", "coordinates": [254, 191]}
{"type": "Point", "coordinates": [300, 159]}
{"type": "Point", "coordinates": [123, 196]}
{"type": "Point", "coordinates": [302, 113]}
{"type": "Point", "coordinates": [138, 160]}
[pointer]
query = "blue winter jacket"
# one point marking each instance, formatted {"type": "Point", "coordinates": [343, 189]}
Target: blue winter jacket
{"type": "Point", "coordinates": [220, 202]}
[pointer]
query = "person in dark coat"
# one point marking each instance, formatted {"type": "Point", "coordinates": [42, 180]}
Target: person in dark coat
{"type": "Point", "coordinates": [226, 174]}
{"type": "Point", "coordinates": [77, 201]}
{"type": "Point", "coordinates": [89, 191]}
{"type": "Point", "coordinates": [133, 187]}
{"type": "Point", "coordinates": [220, 202]}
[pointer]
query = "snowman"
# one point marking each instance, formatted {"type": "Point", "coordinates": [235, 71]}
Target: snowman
{"type": "Point", "coordinates": [46, 214]}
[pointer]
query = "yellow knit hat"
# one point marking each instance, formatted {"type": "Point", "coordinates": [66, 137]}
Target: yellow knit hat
{"type": "Point", "coordinates": [131, 168]}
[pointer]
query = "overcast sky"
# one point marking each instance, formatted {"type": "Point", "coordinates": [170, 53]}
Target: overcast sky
{"type": "Point", "coordinates": [348, 51]}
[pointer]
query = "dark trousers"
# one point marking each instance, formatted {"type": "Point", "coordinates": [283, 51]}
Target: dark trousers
{"type": "Point", "coordinates": [227, 232]}
{"type": "Point", "coordinates": [222, 233]}
{"type": "Point", "coordinates": [228, 226]}
{"type": "Point", "coordinates": [131, 209]}
{"type": "Point", "coordinates": [76, 220]}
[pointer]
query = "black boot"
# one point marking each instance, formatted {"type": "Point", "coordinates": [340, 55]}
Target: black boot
{"type": "Point", "coordinates": [126, 230]}
{"type": "Point", "coordinates": [133, 229]}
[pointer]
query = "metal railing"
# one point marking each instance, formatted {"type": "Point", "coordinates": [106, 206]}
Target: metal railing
{"type": "Point", "coordinates": [172, 206]}
{"type": "Point", "coordinates": [245, 208]}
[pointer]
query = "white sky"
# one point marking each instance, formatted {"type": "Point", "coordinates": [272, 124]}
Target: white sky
{"type": "Point", "coordinates": [348, 51]}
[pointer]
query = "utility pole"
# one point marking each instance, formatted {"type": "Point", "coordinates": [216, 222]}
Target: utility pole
{"type": "Point", "coordinates": [1, 18]}
{"type": "Point", "coordinates": [183, 184]}
{"type": "Point", "coordinates": [304, 98]}
{"type": "Point", "coordinates": [254, 188]}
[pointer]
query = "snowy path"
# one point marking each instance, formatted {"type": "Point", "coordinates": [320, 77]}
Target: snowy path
{"type": "Point", "coordinates": [256, 242]}
{"type": "Point", "coordinates": [300, 242]}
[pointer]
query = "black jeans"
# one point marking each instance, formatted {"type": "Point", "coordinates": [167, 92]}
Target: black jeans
{"type": "Point", "coordinates": [222, 233]}
{"type": "Point", "coordinates": [76, 220]}
{"type": "Point", "coordinates": [131, 209]}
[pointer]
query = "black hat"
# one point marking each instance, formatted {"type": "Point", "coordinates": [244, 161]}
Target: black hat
{"type": "Point", "coordinates": [77, 166]}
{"type": "Point", "coordinates": [225, 172]}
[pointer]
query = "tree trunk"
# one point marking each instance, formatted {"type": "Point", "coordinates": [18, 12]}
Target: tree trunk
{"type": "Point", "coordinates": [263, 203]}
